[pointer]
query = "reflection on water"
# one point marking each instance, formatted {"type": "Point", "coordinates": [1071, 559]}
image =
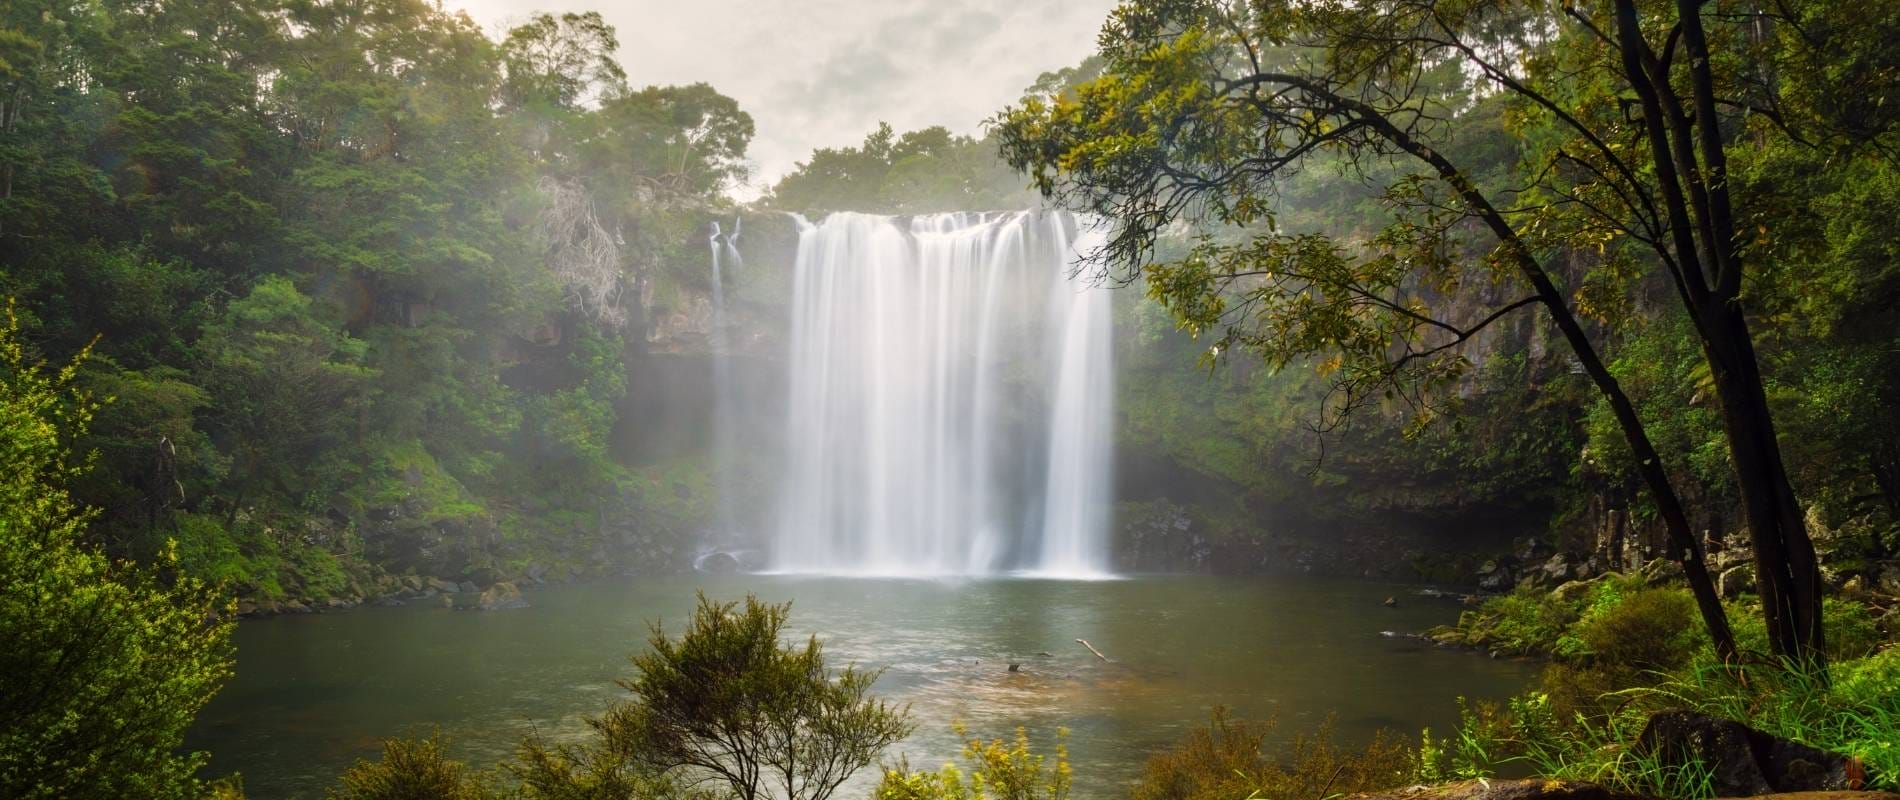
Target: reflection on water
{"type": "Point", "coordinates": [314, 693]}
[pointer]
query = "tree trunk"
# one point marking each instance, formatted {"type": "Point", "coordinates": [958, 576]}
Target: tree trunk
{"type": "Point", "coordinates": [1788, 574]}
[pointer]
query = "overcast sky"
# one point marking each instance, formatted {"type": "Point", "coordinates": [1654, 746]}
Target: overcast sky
{"type": "Point", "coordinates": [822, 73]}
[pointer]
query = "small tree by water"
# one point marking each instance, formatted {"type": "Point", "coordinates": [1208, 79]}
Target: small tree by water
{"type": "Point", "coordinates": [726, 704]}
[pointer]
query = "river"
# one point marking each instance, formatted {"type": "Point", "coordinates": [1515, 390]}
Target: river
{"type": "Point", "coordinates": [314, 693]}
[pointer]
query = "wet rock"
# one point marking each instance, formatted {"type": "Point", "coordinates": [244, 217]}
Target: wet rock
{"type": "Point", "coordinates": [502, 595]}
{"type": "Point", "coordinates": [295, 607]}
{"type": "Point", "coordinates": [442, 586]}
{"type": "Point", "coordinates": [413, 584]}
{"type": "Point", "coordinates": [1559, 568]}
{"type": "Point", "coordinates": [467, 587]}
{"type": "Point", "coordinates": [537, 573]}
{"type": "Point", "coordinates": [1887, 581]}
{"type": "Point", "coordinates": [1391, 602]}
{"type": "Point", "coordinates": [1736, 581]}
{"type": "Point", "coordinates": [1660, 571]}
{"type": "Point", "coordinates": [1441, 594]}
{"type": "Point", "coordinates": [1744, 761]}
{"type": "Point", "coordinates": [1574, 591]}
{"type": "Point", "coordinates": [1495, 577]}
{"type": "Point", "coordinates": [246, 608]}
{"type": "Point", "coordinates": [1529, 549]}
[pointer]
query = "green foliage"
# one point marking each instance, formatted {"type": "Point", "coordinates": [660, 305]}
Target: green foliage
{"type": "Point", "coordinates": [410, 770]}
{"type": "Point", "coordinates": [319, 240]}
{"type": "Point", "coordinates": [1636, 652]}
{"type": "Point", "coordinates": [998, 770]}
{"type": "Point", "coordinates": [103, 663]}
{"type": "Point", "coordinates": [1635, 641]}
{"type": "Point", "coordinates": [921, 171]}
{"type": "Point", "coordinates": [1852, 630]}
{"type": "Point", "coordinates": [1229, 759]}
{"type": "Point", "coordinates": [727, 703]}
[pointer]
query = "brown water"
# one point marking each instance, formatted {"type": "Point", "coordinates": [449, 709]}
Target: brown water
{"type": "Point", "coordinates": [314, 693]}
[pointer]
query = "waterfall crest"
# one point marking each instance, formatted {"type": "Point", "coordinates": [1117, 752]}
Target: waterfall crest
{"type": "Point", "coordinates": [951, 398]}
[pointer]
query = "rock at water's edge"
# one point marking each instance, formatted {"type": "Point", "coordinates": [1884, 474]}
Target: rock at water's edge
{"type": "Point", "coordinates": [1745, 761]}
{"type": "Point", "coordinates": [502, 595]}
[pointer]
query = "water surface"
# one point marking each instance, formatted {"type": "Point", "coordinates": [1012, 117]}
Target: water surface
{"type": "Point", "coordinates": [314, 693]}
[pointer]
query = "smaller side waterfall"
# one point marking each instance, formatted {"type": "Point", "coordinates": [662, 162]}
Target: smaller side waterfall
{"type": "Point", "coordinates": [725, 419]}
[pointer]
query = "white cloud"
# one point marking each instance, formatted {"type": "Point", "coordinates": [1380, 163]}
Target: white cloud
{"type": "Point", "coordinates": [822, 73]}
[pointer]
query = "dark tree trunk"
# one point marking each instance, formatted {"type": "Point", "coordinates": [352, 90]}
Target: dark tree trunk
{"type": "Point", "coordinates": [1787, 572]}
{"type": "Point", "coordinates": [1691, 172]}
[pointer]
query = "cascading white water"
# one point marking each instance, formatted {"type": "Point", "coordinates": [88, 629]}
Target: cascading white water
{"type": "Point", "coordinates": [724, 422]}
{"type": "Point", "coordinates": [951, 398]}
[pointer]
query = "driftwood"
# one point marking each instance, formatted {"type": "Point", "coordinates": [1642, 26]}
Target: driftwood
{"type": "Point", "coordinates": [1098, 653]}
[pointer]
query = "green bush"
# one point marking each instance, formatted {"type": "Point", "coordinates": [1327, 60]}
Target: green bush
{"type": "Point", "coordinates": [410, 770]}
{"type": "Point", "coordinates": [998, 771]}
{"type": "Point", "coordinates": [1225, 760]}
{"type": "Point", "coordinates": [1851, 629]}
{"type": "Point", "coordinates": [103, 664]}
{"type": "Point", "coordinates": [726, 703]}
{"type": "Point", "coordinates": [1856, 714]}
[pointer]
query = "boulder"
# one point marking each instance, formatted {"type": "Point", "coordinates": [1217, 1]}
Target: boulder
{"type": "Point", "coordinates": [246, 608]}
{"type": "Point", "coordinates": [1559, 568]}
{"type": "Point", "coordinates": [1744, 761]}
{"type": "Point", "coordinates": [1529, 549]}
{"type": "Point", "coordinates": [442, 586]}
{"type": "Point", "coordinates": [1888, 580]}
{"type": "Point", "coordinates": [1573, 591]}
{"type": "Point", "coordinates": [1736, 581]}
{"type": "Point", "coordinates": [502, 595]}
{"type": "Point", "coordinates": [1493, 577]}
{"type": "Point", "coordinates": [467, 587]}
{"type": "Point", "coordinates": [1660, 571]}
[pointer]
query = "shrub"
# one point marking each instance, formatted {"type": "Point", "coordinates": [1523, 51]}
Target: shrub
{"type": "Point", "coordinates": [410, 770]}
{"type": "Point", "coordinates": [556, 772]}
{"type": "Point", "coordinates": [998, 771]}
{"type": "Point", "coordinates": [726, 703]}
{"type": "Point", "coordinates": [1852, 632]}
{"type": "Point", "coordinates": [1858, 714]}
{"type": "Point", "coordinates": [103, 664]}
{"type": "Point", "coordinates": [1225, 761]}
{"type": "Point", "coordinates": [1631, 640]}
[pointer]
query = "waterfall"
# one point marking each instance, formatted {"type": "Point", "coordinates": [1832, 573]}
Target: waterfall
{"type": "Point", "coordinates": [951, 398]}
{"type": "Point", "coordinates": [724, 422]}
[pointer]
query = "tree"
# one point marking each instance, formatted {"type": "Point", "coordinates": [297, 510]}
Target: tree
{"type": "Point", "coordinates": [284, 380]}
{"type": "Point", "coordinates": [726, 704]}
{"type": "Point", "coordinates": [103, 664]}
{"type": "Point", "coordinates": [1207, 105]}
{"type": "Point", "coordinates": [560, 62]}
{"type": "Point", "coordinates": [920, 171]}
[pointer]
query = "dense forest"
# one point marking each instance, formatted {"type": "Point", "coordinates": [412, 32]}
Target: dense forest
{"type": "Point", "coordinates": [314, 304]}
